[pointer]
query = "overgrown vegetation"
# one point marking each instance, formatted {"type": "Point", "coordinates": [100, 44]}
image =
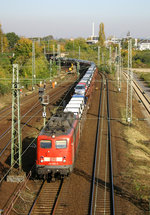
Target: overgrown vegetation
{"type": "Point", "coordinates": [146, 78]}
{"type": "Point", "coordinates": [141, 59]}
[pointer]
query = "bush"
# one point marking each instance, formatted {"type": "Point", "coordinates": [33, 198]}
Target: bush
{"type": "Point", "coordinates": [104, 68]}
{"type": "Point", "coordinates": [146, 78]}
{"type": "Point", "coordinates": [141, 59]}
{"type": "Point", "coordinates": [5, 88]}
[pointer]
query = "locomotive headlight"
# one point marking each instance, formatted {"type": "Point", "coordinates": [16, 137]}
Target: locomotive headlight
{"type": "Point", "coordinates": [41, 159]}
{"type": "Point", "coordinates": [64, 159]}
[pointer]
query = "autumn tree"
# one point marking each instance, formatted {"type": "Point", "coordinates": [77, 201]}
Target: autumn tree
{"type": "Point", "coordinates": [23, 50]}
{"type": "Point", "coordinates": [101, 34]}
{"type": "Point", "coordinates": [3, 41]}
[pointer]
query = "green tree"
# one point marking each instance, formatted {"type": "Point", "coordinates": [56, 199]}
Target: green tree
{"type": "Point", "coordinates": [101, 34]}
{"type": "Point", "coordinates": [12, 39]}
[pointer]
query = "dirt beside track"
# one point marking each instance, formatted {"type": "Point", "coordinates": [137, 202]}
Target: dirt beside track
{"type": "Point", "coordinates": [129, 196]}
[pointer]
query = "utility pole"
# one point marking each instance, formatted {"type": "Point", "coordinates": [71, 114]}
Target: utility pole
{"type": "Point", "coordinates": [53, 52]}
{"type": "Point", "coordinates": [73, 47]}
{"type": "Point", "coordinates": [102, 57]}
{"type": "Point", "coordinates": [48, 46]}
{"type": "Point", "coordinates": [33, 66]}
{"type": "Point", "coordinates": [116, 63]}
{"type": "Point", "coordinates": [110, 58]}
{"type": "Point", "coordinates": [98, 63]}
{"type": "Point", "coordinates": [129, 84]}
{"type": "Point", "coordinates": [119, 69]}
{"type": "Point", "coordinates": [1, 43]}
{"type": "Point", "coordinates": [16, 145]}
{"type": "Point", "coordinates": [59, 61]}
{"type": "Point", "coordinates": [50, 64]}
{"type": "Point", "coordinates": [116, 59]}
{"type": "Point", "coordinates": [16, 174]}
{"type": "Point", "coordinates": [78, 68]}
{"type": "Point", "coordinates": [79, 52]}
{"type": "Point", "coordinates": [39, 41]}
{"type": "Point", "coordinates": [44, 50]}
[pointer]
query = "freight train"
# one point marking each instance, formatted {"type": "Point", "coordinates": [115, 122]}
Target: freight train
{"type": "Point", "coordinates": [58, 142]}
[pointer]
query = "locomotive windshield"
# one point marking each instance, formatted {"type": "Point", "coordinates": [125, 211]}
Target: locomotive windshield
{"type": "Point", "coordinates": [61, 144]}
{"type": "Point", "coordinates": [45, 144]}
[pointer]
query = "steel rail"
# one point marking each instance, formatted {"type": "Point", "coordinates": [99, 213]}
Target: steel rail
{"type": "Point", "coordinates": [5, 132]}
{"type": "Point", "coordinates": [52, 206]}
{"type": "Point", "coordinates": [95, 156]}
{"type": "Point", "coordinates": [5, 109]}
{"type": "Point", "coordinates": [110, 155]}
{"type": "Point", "coordinates": [38, 193]}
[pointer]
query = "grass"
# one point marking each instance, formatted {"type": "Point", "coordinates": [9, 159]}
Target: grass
{"type": "Point", "coordinates": [139, 156]}
{"type": "Point", "coordinates": [137, 141]}
{"type": "Point", "coordinates": [146, 78]}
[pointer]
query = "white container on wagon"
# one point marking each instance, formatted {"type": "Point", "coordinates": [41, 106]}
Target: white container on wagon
{"type": "Point", "coordinates": [73, 105]}
{"type": "Point", "coordinates": [74, 110]}
{"type": "Point", "coordinates": [75, 101]}
{"type": "Point", "coordinates": [78, 97]}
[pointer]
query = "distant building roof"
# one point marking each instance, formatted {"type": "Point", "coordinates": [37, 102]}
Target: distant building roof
{"type": "Point", "coordinates": [144, 41]}
{"type": "Point", "coordinates": [144, 45]}
{"type": "Point", "coordinates": [93, 40]}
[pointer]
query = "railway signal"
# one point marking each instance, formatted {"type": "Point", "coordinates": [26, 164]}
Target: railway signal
{"type": "Point", "coordinates": [98, 63]}
{"type": "Point", "coordinates": [33, 66]}
{"type": "Point", "coordinates": [44, 102]}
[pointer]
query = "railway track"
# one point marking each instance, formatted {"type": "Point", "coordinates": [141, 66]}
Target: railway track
{"type": "Point", "coordinates": [102, 188]}
{"type": "Point", "coordinates": [47, 197]}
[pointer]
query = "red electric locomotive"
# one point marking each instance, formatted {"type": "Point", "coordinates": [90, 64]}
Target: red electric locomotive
{"type": "Point", "coordinates": [57, 145]}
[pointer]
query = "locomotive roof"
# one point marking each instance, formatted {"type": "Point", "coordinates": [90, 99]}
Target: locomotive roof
{"type": "Point", "coordinates": [59, 124]}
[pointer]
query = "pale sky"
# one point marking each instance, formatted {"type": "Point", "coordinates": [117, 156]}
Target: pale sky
{"type": "Point", "coordinates": [67, 18]}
